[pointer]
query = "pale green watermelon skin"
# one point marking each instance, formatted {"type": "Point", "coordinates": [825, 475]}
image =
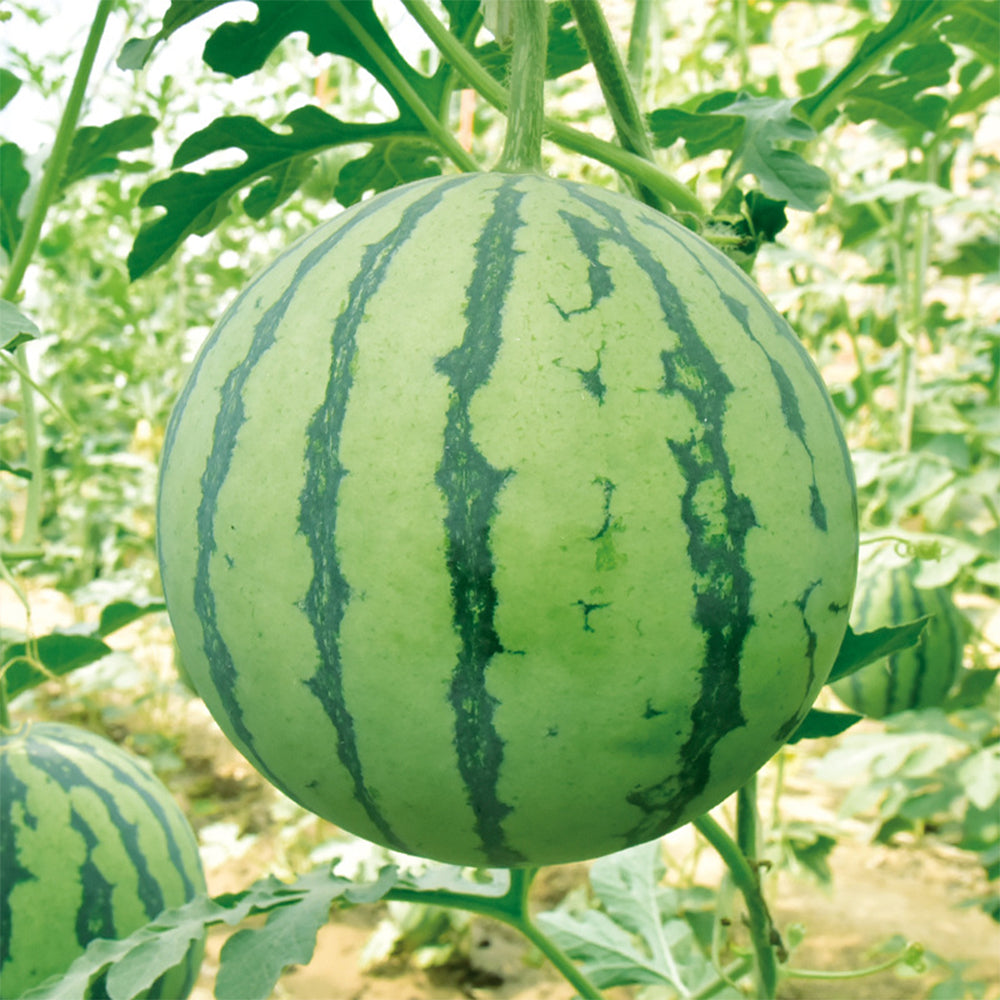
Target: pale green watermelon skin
{"type": "Point", "coordinates": [914, 678]}
{"type": "Point", "coordinates": [91, 845]}
{"type": "Point", "coordinates": [502, 521]}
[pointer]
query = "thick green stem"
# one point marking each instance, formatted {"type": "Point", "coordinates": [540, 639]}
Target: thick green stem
{"type": "Point", "coordinates": [646, 173]}
{"type": "Point", "coordinates": [745, 877]}
{"type": "Point", "coordinates": [615, 85]}
{"type": "Point", "coordinates": [439, 132]}
{"type": "Point", "coordinates": [611, 75]}
{"type": "Point", "coordinates": [49, 183]}
{"type": "Point", "coordinates": [522, 150]}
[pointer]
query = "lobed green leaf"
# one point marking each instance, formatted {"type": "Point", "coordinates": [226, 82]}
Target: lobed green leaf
{"type": "Point", "coordinates": [755, 129]}
{"type": "Point", "coordinates": [820, 725]}
{"type": "Point", "coordinates": [276, 163]}
{"type": "Point", "coordinates": [252, 959]}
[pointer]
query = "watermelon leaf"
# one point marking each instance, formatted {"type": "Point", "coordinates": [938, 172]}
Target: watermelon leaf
{"type": "Point", "coordinates": [95, 149]}
{"type": "Point", "coordinates": [819, 725]}
{"type": "Point", "coordinates": [15, 327]}
{"type": "Point", "coordinates": [135, 52]}
{"type": "Point", "coordinates": [858, 650]}
{"type": "Point", "coordinates": [276, 163]}
{"type": "Point", "coordinates": [907, 19]}
{"type": "Point", "coordinates": [896, 98]}
{"type": "Point", "coordinates": [754, 129]}
{"type": "Point", "coordinates": [27, 664]}
{"type": "Point", "coordinates": [118, 614]}
{"type": "Point", "coordinates": [10, 84]}
{"type": "Point", "coordinates": [252, 959]}
{"type": "Point", "coordinates": [145, 963]}
{"type": "Point", "coordinates": [639, 935]}
{"type": "Point", "coordinates": [54, 655]}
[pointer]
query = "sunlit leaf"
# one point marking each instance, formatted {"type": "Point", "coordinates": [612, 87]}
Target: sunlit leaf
{"type": "Point", "coordinates": [757, 130]}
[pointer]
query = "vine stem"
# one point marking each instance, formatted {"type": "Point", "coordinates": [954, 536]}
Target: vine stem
{"type": "Point", "coordinates": [25, 249]}
{"type": "Point", "coordinates": [911, 954]}
{"type": "Point", "coordinates": [612, 77]}
{"type": "Point", "coordinates": [512, 909]}
{"type": "Point", "coordinates": [615, 84]}
{"type": "Point", "coordinates": [646, 173]}
{"type": "Point", "coordinates": [428, 119]}
{"type": "Point", "coordinates": [745, 878]}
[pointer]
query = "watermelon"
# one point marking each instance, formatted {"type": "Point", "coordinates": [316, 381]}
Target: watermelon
{"type": "Point", "coordinates": [502, 521]}
{"type": "Point", "coordinates": [918, 677]}
{"type": "Point", "coordinates": [92, 845]}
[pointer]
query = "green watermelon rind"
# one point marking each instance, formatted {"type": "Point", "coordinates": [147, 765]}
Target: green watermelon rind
{"type": "Point", "coordinates": [503, 521]}
{"type": "Point", "coordinates": [92, 845]}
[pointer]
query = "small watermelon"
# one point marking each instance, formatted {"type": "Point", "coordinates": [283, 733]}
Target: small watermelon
{"type": "Point", "coordinates": [503, 521]}
{"type": "Point", "coordinates": [91, 845]}
{"type": "Point", "coordinates": [918, 677]}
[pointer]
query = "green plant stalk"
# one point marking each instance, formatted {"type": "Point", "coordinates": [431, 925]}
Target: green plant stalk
{"type": "Point", "coordinates": [743, 49]}
{"type": "Point", "coordinates": [522, 148]}
{"type": "Point", "coordinates": [512, 909]}
{"type": "Point", "coordinates": [746, 880]}
{"type": "Point", "coordinates": [646, 173]}
{"type": "Point", "coordinates": [612, 77]}
{"type": "Point", "coordinates": [638, 42]}
{"type": "Point", "coordinates": [746, 820]}
{"type": "Point", "coordinates": [47, 187]}
{"type": "Point", "coordinates": [733, 972]}
{"type": "Point", "coordinates": [440, 133]}
{"type": "Point", "coordinates": [615, 85]}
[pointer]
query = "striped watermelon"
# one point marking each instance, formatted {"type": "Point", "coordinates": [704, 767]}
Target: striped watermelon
{"type": "Point", "coordinates": [91, 845]}
{"type": "Point", "coordinates": [918, 677]}
{"type": "Point", "coordinates": [503, 521]}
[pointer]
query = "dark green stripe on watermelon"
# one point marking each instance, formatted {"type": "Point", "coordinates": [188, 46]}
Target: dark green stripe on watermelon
{"type": "Point", "coordinates": [227, 425]}
{"type": "Point", "coordinates": [470, 486]}
{"type": "Point", "coordinates": [329, 593]}
{"type": "Point", "coordinates": [12, 871]}
{"type": "Point", "coordinates": [722, 595]}
{"type": "Point", "coordinates": [66, 774]}
{"type": "Point", "coordinates": [789, 399]}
